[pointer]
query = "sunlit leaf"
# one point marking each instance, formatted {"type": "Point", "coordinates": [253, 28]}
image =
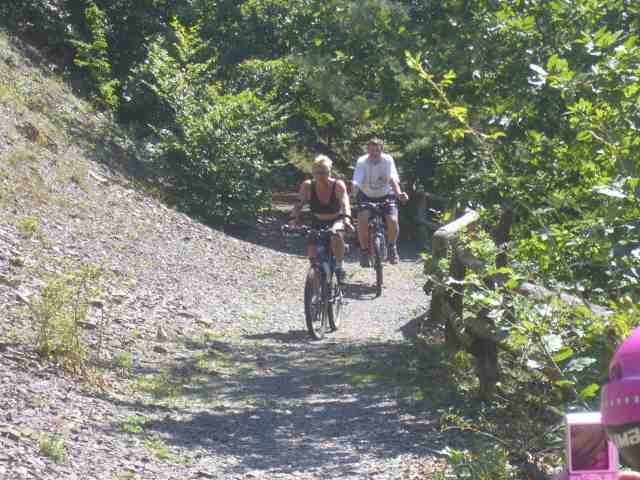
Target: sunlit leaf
{"type": "Point", "coordinates": [590, 391]}
{"type": "Point", "coordinates": [579, 364]}
{"type": "Point", "coordinates": [552, 342]}
{"type": "Point", "coordinates": [584, 135]}
{"type": "Point", "coordinates": [563, 354]}
{"type": "Point", "coordinates": [564, 383]}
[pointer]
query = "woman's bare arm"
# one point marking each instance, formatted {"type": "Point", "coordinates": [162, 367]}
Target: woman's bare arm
{"type": "Point", "coordinates": [303, 198]}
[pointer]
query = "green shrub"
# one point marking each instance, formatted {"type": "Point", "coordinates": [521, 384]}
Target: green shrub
{"type": "Point", "coordinates": [53, 447]}
{"type": "Point", "coordinates": [553, 356]}
{"type": "Point", "coordinates": [94, 56]}
{"type": "Point", "coordinates": [134, 424]}
{"type": "Point", "coordinates": [479, 464]}
{"type": "Point", "coordinates": [59, 313]}
{"type": "Point", "coordinates": [159, 448]}
{"type": "Point", "coordinates": [28, 226]}
{"type": "Point", "coordinates": [216, 151]}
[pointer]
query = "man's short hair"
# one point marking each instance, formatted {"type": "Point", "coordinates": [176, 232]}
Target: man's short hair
{"type": "Point", "coordinates": [376, 141]}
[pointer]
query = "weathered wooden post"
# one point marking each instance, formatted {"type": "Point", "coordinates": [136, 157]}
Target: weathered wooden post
{"type": "Point", "coordinates": [446, 306]}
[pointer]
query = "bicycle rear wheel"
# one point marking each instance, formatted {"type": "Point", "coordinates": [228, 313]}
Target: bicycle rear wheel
{"type": "Point", "coordinates": [316, 303]}
{"type": "Point", "coordinates": [378, 247]}
{"type": "Point", "coordinates": [336, 304]}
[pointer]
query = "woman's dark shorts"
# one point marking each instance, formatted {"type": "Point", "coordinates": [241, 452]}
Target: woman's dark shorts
{"type": "Point", "coordinates": [317, 224]}
{"type": "Point", "coordinates": [391, 210]}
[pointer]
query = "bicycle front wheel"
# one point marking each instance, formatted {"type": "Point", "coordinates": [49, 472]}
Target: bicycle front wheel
{"type": "Point", "coordinates": [315, 304]}
{"type": "Point", "coordinates": [336, 305]}
{"type": "Point", "coordinates": [378, 247]}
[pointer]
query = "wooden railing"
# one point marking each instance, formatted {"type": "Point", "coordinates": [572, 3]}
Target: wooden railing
{"type": "Point", "coordinates": [477, 335]}
{"type": "Point", "coordinates": [425, 225]}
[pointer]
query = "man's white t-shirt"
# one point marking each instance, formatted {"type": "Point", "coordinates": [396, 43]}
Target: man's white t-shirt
{"type": "Point", "coordinates": [373, 179]}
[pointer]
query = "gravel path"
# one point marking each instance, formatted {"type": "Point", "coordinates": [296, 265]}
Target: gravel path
{"type": "Point", "coordinates": [328, 409]}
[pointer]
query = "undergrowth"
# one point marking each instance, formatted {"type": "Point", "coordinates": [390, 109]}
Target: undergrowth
{"type": "Point", "coordinates": [60, 312]}
{"type": "Point", "coordinates": [552, 360]}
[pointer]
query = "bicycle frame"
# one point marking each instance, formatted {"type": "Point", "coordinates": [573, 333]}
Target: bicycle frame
{"type": "Point", "coordinates": [377, 228]}
{"type": "Point", "coordinates": [323, 295]}
{"type": "Point", "coordinates": [323, 260]}
{"type": "Point", "coordinates": [377, 223]}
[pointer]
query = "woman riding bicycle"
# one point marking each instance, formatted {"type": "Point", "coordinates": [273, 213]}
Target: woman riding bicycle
{"type": "Point", "coordinates": [330, 208]}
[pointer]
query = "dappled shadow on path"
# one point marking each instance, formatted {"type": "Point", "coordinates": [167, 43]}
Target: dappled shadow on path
{"type": "Point", "coordinates": [307, 406]}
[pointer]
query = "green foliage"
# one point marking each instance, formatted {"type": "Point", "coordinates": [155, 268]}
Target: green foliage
{"type": "Point", "coordinates": [53, 447]}
{"type": "Point", "coordinates": [28, 226]}
{"type": "Point", "coordinates": [46, 21]}
{"type": "Point", "coordinates": [483, 463]}
{"type": "Point", "coordinates": [219, 149]}
{"type": "Point", "coordinates": [59, 313]}
{"type": "Point", "coordinates": [94, 56]}
{"type": "Point", "coordinates": [159, 448]}
{"type": "Point", "coordinates": [546, 131]}
{"type": "Point", "coordinates": [134, 424]}
{"type": "Point", "coordinates": [160, 386]}
{"type": "Point", "coordinates": [553, 355]}
{"type": "Point", "coordinates": [124, 361]}
{"type": "Point", "coordinates": [563, 346]}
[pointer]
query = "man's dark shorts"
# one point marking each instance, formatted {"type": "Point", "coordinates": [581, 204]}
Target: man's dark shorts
{"type": "Point", "coordinates": [388, 210]}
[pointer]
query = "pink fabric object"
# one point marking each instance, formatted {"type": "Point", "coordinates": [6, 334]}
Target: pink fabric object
{"type": "Point", "coordinates": [620, 399]}
{"type": "Point", "coordinates": [564, 475]}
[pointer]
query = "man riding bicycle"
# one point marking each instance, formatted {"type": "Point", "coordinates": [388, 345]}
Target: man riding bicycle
{"type": "Point", "coordinates": [375, 180]}
{"type": "Point", "coordinates": [329, 204]}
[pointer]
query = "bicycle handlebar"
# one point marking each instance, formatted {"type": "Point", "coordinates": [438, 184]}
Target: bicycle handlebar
{"type": "Point", "coordinates": [294, 230]}
{"type": "Point", "coordinates": [375, 206]}
{"type": "Point", "coordinates": [304, 230]}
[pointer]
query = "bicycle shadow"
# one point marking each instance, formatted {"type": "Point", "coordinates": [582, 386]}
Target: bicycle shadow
{"type": "Point", "coordinates": [359, 291]}
{"type": "Point", "coordinates": [290, 337]}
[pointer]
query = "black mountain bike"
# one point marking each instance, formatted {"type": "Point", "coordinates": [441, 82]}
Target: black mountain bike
{"type": "Point", "coordinates": [323, 295]}
{"type": "Point", "coordinates": [377, 237]}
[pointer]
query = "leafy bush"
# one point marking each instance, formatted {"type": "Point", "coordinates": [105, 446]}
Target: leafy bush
{"type": "Point", "coordinates": [553, 356]}
{"type": "Point", "coordinates": [218, 163]}
{"type": "Point", "coordinates": [94, 56]}
{"type": "Point", "coordinates": [489, 463]}
{"type": "Point", "coordinates": [28, 226]}
{"type": "Point", "coordinates": [47, 21]}
{"type": "Point", "coordinates": [217, 151]}
{"type": "Point", "coordinates": [53, 447]}
{"type": "Point", "coordinates": [59, 313]}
